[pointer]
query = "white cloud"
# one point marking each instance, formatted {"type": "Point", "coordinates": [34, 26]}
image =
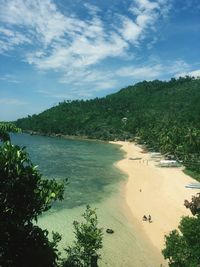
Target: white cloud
{"type": "Point", "coordinates": [10, 38]}
{"type": "Point", "coordinates": [129, 30]}
{"type": "Point", "coordinates": [92, 8]}
{"type": "Point", "coordinates": [6, 32]}
{"type": "Point", "coordinates": [82, 83]}
{"type": "Point", "coordinates": [40, 18]}
{"type": "Point", "coordinates": [85, 76]}
{"type": "Point", "coordinates": [193, 73]}
{"type": "Point", "coordinates": [177, 66]}
{"type": "Point", "coordinates": [146, 16]}
{"type": "Point", "coordinates": [73, 46]}
{"type": "Point", "coordinates": [59, 40]}
{"type": "Point", "coordinates": [105, 85]}
{"type": "Point", "coordinates": [85, 83]}
{"type": "Point", "coordinates": [154, 70]}
{"type": "Point", "coordinates": [12, 101]}
{"type": "Point", "coordinates": [9, 78]}
{"type": "Point", "coordinates": [147, 5]}
{"type": "Point", "coordinates": [88, 48]}
{"type": "Point", "coordinates": [143, 72]}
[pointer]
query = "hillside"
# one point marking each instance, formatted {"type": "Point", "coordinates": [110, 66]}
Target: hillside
{"type": "Point", "coordinates": [165, 115]}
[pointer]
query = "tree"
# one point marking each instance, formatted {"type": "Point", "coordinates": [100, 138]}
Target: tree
{"type": "Point", "coordinates": [5, 128]}
{"type": "Point", "coordinates": [165, 115]}
{"type": "Point", "coordinates": [194, 205]}
{"type": "Point", "coordinates": [24, 195]}
{"type": "Point", "coordinates": [88, 240]}
{"type": "Point", "coordinates": [182, 247]}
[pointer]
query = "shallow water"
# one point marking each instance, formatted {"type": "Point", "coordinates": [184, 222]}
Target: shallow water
{"type": "Point", "coordinates": [93, 180]}
{"type": "Point", "coordinates": [88, 165]}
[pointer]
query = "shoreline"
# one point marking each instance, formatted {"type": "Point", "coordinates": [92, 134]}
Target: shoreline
{"type": "Point", "coordinates": [155, 191]}
{"type": "Point", "coordinates": [65, 136]}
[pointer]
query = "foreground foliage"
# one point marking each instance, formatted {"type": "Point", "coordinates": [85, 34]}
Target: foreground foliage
{"type": "Point", "coordinates": [183, 246]}
{"type": "Point", "coordinates": [5, 128]}
{"type": "Point", "coordinates": [24, 195]}
{"type": "Point", "coordinates": [88, 241]}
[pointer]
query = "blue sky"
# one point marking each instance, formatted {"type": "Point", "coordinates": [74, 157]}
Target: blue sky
{"type": "Point", "coordinates": [54, 50]}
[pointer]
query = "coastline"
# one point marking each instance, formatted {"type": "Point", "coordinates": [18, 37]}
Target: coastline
{"type": "Point", "coordinates": [127, 246]}
{"type": "Point", "coordinates": [150, 190]}
{"type": "Point", "coordinates": [65, 136]}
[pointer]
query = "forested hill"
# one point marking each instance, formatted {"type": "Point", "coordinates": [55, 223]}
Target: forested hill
{"type": "Point", "coordinates": [165, 115]}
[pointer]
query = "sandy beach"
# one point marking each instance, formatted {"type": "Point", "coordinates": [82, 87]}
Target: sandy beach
{"type": "Point", "coordinates": [155, 191]}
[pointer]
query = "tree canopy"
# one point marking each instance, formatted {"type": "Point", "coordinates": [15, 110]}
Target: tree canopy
{"type": "Point", "coordinates": [88, 241]}
{"type": "Point", "coordinates": [182, 247]}
{"type": "Point", "coordinates": [5, 128]}
{"type": "Point", "coordinates": [165, 115]}
{"type": "Point", "coordinates": [24, 195]}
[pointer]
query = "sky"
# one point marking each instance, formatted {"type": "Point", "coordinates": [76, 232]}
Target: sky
{"type": "Point", "coordinates": [55, 50]}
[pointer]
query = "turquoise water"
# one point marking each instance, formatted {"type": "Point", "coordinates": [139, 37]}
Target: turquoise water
{"type": "Point", "coordinates": [88, 165]}
{"type": "Point", "coordinates": [93, 179]}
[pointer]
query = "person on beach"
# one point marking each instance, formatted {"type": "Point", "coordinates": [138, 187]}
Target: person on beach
{"type": "Point", "coordinates": [149, 218]}
{"type": "Point", "coordinates": [144, 218]}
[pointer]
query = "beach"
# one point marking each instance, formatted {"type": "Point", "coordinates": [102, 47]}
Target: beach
{"type": "Point", "coordinates": [136, 188]}
{"type": "Point", "coordinates": [155, 191]}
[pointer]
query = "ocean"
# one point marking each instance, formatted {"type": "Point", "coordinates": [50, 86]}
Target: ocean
{"type": "Point", "coordinates": [93, 179]}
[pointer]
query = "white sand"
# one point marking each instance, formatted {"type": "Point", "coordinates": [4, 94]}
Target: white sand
{"type": "Point", "coordinates": [159, 192]}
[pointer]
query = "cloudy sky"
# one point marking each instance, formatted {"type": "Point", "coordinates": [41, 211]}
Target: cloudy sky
{"type": "Point", "coordinates": [54, 50]}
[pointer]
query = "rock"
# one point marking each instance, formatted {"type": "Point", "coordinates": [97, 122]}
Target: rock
{"type": "Point", "coordinates": [109, 231]}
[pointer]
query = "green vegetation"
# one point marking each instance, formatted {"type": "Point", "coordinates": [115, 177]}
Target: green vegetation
{"type": "Point", "coordinates": [88, 240]}
{"type": "Point", "coordinates": [182, 247]}
{"type": "Point", "coordinates": [5, 128]}
{"type": "Point", "coordinates": [24, 195]}
{"type": "Point", "coordinates": [163, 115]}
{"type": "Point", "coordinates": [193, 174]}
